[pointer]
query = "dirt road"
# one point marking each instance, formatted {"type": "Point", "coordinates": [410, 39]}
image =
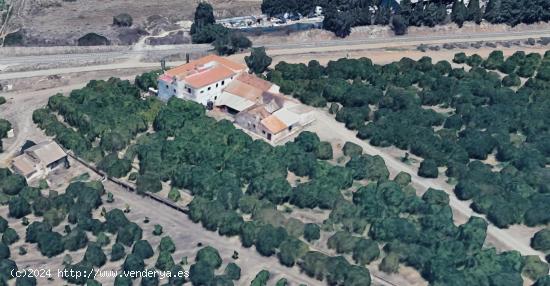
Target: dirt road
{"type": "Point", "coordinates": [19, 112]}
{"type": "Point", "coordinates": [187, 234]}
{"type": "Point", "coordinates": [329, 129]}
{"type": "Point", "coordinates": [184, 232]}
{"type": "Point", "coordinates": [281, 48]}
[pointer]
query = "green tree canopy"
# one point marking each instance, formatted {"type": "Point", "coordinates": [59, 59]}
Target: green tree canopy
{"type": "Point", "coordinates": [210, 256]}
{"type": "Point", "coordinates": [541, 240]}
{"type": "Point", "coordinates": [143, 249]}
{"type": "Point", "coordinates": [258, 61]}
{"type": "Point", "coordinates": [166, 244]}
{"type": "Point", "coordinates": [94, 255]}
{"type": "Point", "coordinates": [50, 244]}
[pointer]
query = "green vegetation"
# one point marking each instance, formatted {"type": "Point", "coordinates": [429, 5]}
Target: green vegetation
{"type": "Point", "coordinates": [205, 30]}
{"type": "Point", "coordinates": [390, 263]}
{"type": "Point", "coordinates": [9, 236]}
{"type": "Point", "coordinates": [534, 268]}
{"type": "Point", "coordinates": [147, 80]}
{"type": "Point", "coordinates": [14, 39]}
{"type": "Point", "coordinates": [541, 240]}
{"type": "Point", "coordinates": [174, 195]}
{"type": "Point", "coordinates": [428, 169]}
{"type": "Point", "coordinates": [351, 149]}
{"type": "Point", "coordinates": [93, 39]}
{"type": "Point", "coordinates": [218, 192]}
{"type": "Point", "coordinates": [206, 262]}
{"type": "Point", "coordinates": [341, 16]}
{"type": "Point", "coordinates": [5, 126]}
{"type": "Point", "coordinates": [166, 244]}
{"type": "Point", "coordinates": [311, 232]}
{"type": "Point", "coordinates": [232, 271]}
{"type": "Point", "coordinates": [2, 100]}
{"type": "Point", "coordinates": [260, 279]}
{"type": "Point", "coordinates": [72, 211]}
{"type": "Point", "coordinates": [258, 61]}
{"type": "Point", "coordinates": [143, 249]}
{"type": "Point", "coordinates": [87, 110]}
{"type": "Point", "coordinates": [123, 20]}
{"type": "Point", "coordinates": [230, 175]}
{"type": "Point", "coordinates": [486, 119]}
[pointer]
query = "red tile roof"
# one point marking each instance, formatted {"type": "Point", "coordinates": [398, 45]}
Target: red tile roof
{"type": "Point", "coordinates": [209, 76]}
{"type": "Point", "coordinates": [273, 124]}
{"type": "Point", "coordinates": [242, 89]}
{"type": "Point", "coordinates": [255, 81]}
{"type": "Point", "coordinates": [190, 68]}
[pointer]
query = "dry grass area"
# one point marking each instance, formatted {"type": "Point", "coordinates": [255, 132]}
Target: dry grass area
{"type": "Point", "coordinates": [379, 32]}
{"type": "Point", "coordinates": [58, 22]}
{"type": "Point", "coordinates": [379, 54]}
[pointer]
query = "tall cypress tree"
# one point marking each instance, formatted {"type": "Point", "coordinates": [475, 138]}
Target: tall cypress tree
{"type": "Point", "coordinates": [406, 10]}
{"type": "Point", "coordinates": [434, 14]}
{"type": "Point", "coordinates": [417, 15]}
{"type": "Point", "coordinates": [532, 12]}
{"type": "Point", "coordinates": [474, 11]}
{"type": "Point", "coordinates": [493, 12]}
{"type": "Point", "coordinates": [204, 16]}
{"type": "Point", "coordinates": [382, 15]}
{"type": "Point", "coordinates": [459, 13]}
{"type": "Point", "coordinates": [545, 7]}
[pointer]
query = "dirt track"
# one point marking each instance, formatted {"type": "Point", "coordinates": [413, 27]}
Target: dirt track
{"type": "Point", "coordinates": [504, 239]}
{"type": "Point", "coordinates": [185, 233]}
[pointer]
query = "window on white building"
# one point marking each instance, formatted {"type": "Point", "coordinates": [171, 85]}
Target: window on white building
{"type": "Point", "coordinates": [209, 88]}
{"type": "Point", "coordinates": [223, 82]}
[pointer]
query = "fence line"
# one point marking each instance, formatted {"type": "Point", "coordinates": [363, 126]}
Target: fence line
{"type": "Point", "coordinates": [172, 205]}
{"type": "Point", "coordinates": [128, 187]}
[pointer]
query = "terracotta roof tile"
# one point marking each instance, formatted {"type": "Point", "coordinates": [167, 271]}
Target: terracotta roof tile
{"type": "Point", "coordinates": [274, 124]}
{"type": "Point", "coordinates": [186, 69]}
{"type": "Point", "coordinates": [23, 165]}
{"type": "Point", "coordinates": [244, 90]}
{"type": "Point", "coordinates": [209, 76]}
{"type": "Point", "coordinates": [255, 81]}
{"type": "Point", "coordinates": [260, 111]}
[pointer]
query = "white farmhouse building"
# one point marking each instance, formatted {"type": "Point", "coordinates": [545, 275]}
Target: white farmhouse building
{"type": "Point", "coordinates": [255, 104]}
{"type": "Point", "coordinates": [201, 80]}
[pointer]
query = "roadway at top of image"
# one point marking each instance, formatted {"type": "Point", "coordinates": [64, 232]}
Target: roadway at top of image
{"type": "Point", "coordinates": [129, 57]}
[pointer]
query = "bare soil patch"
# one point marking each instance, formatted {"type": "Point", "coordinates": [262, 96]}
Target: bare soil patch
{"type": "Point", "coordinates": [380, 32]}
{"type": "Point", "coordinates": [57, 22]}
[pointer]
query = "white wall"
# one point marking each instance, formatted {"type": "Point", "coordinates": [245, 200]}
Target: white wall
{"type": "Point", "coordinates": [165, 90]}
{"type": "Point", "coordinates": [203, 95]}
{"type": "Point", "coordinates": [180, 90]}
